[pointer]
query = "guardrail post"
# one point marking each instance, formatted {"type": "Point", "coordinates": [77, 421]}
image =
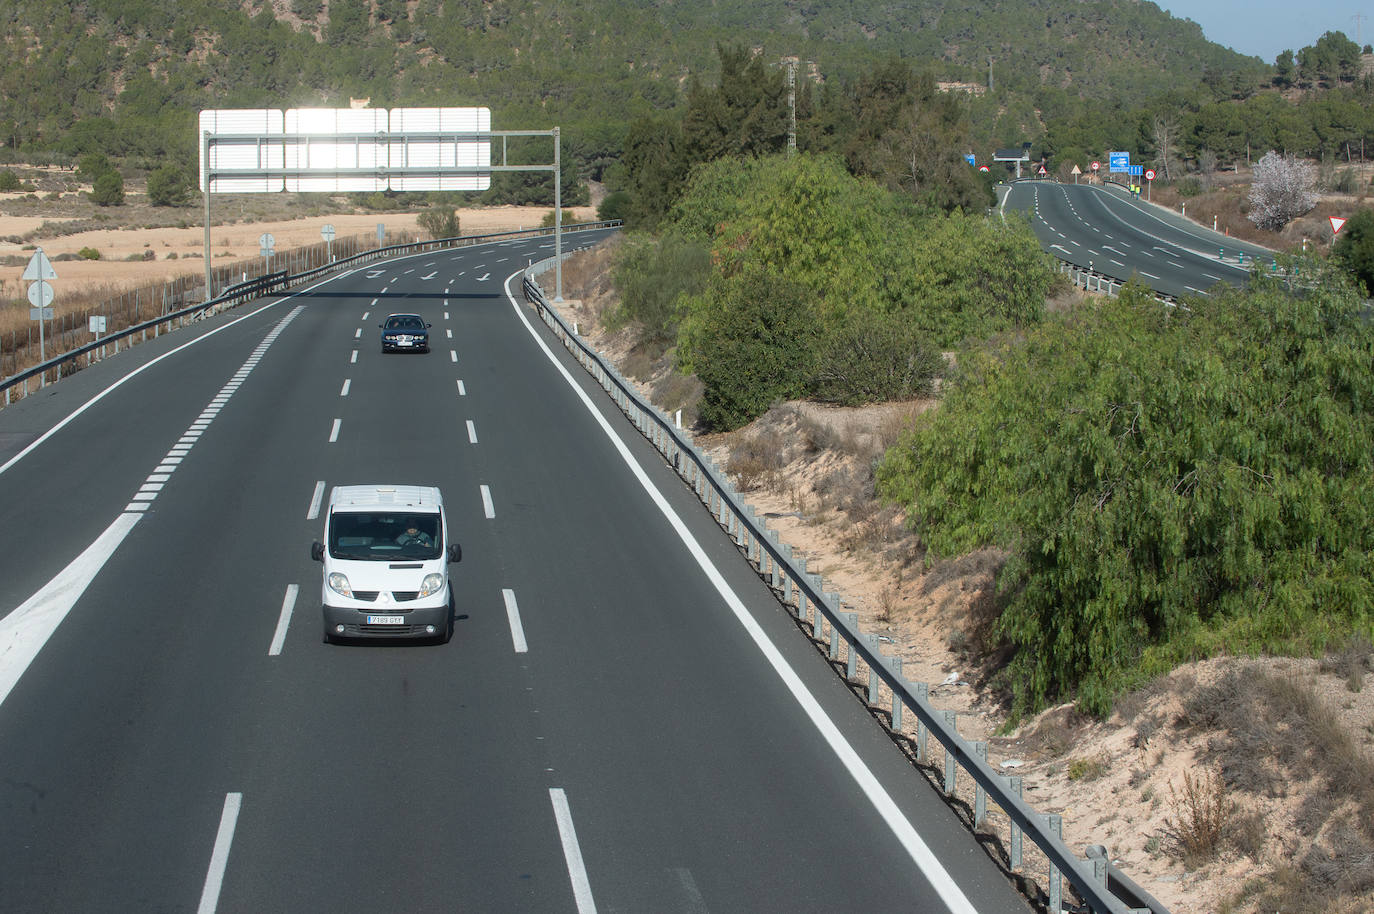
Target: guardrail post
{"type": "Point", "coordinates": [786, 578]}
{"type": "Point", "coordinates": [774, 571]}
{"type": "Point", "coordinates": [1100, 870]}
{"type": "Point", "coordinates": [896, 663]}
{"type": "Point", "coordinates": [980, 796]}
{"type": "Point", "coordinates": [951, 768]}
{"type": "Point", "coordinates": [1014, 786]}
{"type": "Point", "coordinates": [922, 690]}
{"type": "Point", "coordinates": [872, 670]}
{"type": "Point", "coordinates": [1055, 824]}
{"type": "Point", "coordinates": [852, 668]}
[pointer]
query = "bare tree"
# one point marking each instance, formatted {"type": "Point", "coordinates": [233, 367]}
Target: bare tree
{"type": "Point", "coordinates": [1282, 189]}
{"type": "Point", "coordinates": [1166, 138]}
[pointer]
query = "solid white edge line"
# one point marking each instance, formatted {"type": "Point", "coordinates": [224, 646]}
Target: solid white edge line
{"type": "Point", "coordinates": [288, 604]}
{"type": "Point", "coordinates": [572, 852]}
{"type": "Point", "coordinates": [24, 631]}
{"type": "Point", "coordinates": [487, 507]}
{"type": "Point", "coordinates": [517, 629]}
{"type": "Point", "coordinates": [906, 833]}
{"type": "Point", "coordinates": [219, 857]}
{"type": "Point", "coordinates": [472, 433]}
{"type": "Point", "coordinates": [316, 500]}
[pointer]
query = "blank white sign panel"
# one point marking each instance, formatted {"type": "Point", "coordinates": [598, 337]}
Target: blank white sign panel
{"type": "Point", "coordinates": [446, 153]}
{"type": "Point", "coordinates": [354, 138]}
{"type": "Point", "coordinates": [261, 122]}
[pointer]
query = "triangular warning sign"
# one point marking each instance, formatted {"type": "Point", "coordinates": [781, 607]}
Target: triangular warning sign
{"type": "Point", "coordinates": [1336, 223]}
{"type": "Point", "coordinates": [1042, 170]}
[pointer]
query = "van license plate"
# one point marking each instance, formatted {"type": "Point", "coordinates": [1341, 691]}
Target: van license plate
{"type": "Point", "coordinates": [386, 620]}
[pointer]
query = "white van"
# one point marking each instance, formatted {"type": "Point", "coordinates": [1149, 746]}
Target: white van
{"type": "Point", "coordinates": [386, 553]}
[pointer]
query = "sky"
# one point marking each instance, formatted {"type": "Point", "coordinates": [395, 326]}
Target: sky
{"type": "Point", "coordinates": [1263, 28]}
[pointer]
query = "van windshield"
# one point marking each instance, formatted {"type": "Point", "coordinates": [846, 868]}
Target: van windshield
{"type": "Point", "coordinates": [384, 536]}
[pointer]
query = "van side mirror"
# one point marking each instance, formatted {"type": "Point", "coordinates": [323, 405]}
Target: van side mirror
{"type": "Point", "coordinates": [428, 325]}
{"type": "Point", "coordinates": [455, 553]}
{"type": "Point", "coordinates": [317, 551]}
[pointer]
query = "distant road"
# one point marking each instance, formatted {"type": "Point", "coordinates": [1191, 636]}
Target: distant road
{"type": "Point", "coordinates": [1107, 230]}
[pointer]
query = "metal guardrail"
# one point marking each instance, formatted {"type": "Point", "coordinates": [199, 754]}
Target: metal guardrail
{"type": "Point", "coordinates": [68, 362]}
{"type": "Point", "coordinates": [819, 614]}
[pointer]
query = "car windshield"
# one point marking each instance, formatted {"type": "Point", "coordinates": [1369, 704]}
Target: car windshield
{"type": "Point", "coordinates": [404, 323]}
{"type": "Point", "coordinates": [381, 536]}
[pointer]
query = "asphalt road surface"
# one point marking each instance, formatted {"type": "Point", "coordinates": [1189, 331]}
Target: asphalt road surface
{"type": "Point", "coordinates": [1108, 231]}
{"type": "Point", "coordinates": [603, 732]}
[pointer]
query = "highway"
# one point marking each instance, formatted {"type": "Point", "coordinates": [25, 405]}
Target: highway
{"type": "Point", "coordinates": [603, 733]}
{"type": "Point", "coordinates": [1108, 231]}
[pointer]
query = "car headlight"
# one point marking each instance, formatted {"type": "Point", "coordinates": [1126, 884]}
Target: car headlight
{"type": "Point", "coordinates": [431, 584]}
{"type": "Point", "coordinates": [339, 584]}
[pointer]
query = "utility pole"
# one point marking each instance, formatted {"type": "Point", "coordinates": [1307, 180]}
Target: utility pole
{"type": "Point", "coordinates": [990, 59]}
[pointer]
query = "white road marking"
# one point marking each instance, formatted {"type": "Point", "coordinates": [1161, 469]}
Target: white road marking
{"type": "Point", "coordinates": [374, 301]}
{"type": "Point", "coordinates": [572, 853]}
{"type": "Point", "coordinates": [462, 391]}
{"type": "Point", "coordinates": [313, 512]}
{"type": "Point", "coordinates": [1118, 263]}
{"type": "Point", "coordinates": [453, 355]}
{"type": "Point", "coordinates": [219, 857]}
{"type": "Point", "coordinates": [487, 508]}
{"type": "Point", "coordinates": [1150, 275]}
{"type": "Point", "coordinates": [445, 313]}
{"type": "Point", "coordinates": [288, 604]}
{"type": "Point", "coordinates": [472, 433]}
{"type": "Point", "coordinates": [358, 334]}
{"type": "Point", "coordinates": [1210, 276]}
{"type": "Point", "coordinates": [365, 314]}
{"type": "Point", "coordinates": [137, 371]}
{"type": "Point", "coordinates": [517, 630]}
{"type": "Point", "coordinates": [384, 288]}
{"type": "Point", "coordinates": [353, 359]}
{"type": "Point", "coordinates": [449, 331]}
{"type": "Point", "coordinates": [343, 391]}
{"type": "Point", "coordinates": [902, 828]}
{"type": "Point", "coordinates": [430, 276]}
{"type": "Point", "coordinates": [484, 277]}
{"type": "Point", "coordinates": [24, 631]}
{"type": "Point", "coordinates": [334, 432]}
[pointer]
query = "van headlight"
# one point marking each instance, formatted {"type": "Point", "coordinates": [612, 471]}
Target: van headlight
{"type": "Point", "coordinates": [339, 584]}
{"type": "Point", "coordinates": [431, 584]}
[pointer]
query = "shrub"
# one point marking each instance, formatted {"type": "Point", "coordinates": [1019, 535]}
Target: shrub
{"type": "Point", "coordinates": [614, 206]}
{"type": "Point", "coordinates": [1200, 817]}
{"type": "Point", "coordinates": [751, 340]}
{"type": "Point", "coordinates": [652, 276]}
{"type": "Point", "coordinates": [875, 357]}
{"type": "Point", "coordinates": [1189, 187]}
{"type": "Point", "coordinates": [1354, 248]}
{"type": "Point", "coordinates": [1148, 467]}
{"type": "Point", "coordinates": [440, 223]}
{"type": "Point", "coordinates": [169, 186]}
{"type": "Point", "coordinates": [9, 181]}
{"type": "Point", "coordinates": [88, 254]}
{"type": "Point", "coordinates": [568, 216]}
{"type": "Point", "coordinates": [108, 190]}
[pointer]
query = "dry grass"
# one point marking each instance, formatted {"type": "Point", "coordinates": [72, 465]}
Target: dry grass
{"type": "Point", "coordinates": [1201, 810]}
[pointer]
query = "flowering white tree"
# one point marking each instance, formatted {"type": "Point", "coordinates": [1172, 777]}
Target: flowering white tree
{"type": "Point", "coordinates": [1283, 189]}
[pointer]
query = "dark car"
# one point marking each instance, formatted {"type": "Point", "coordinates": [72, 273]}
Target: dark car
{"type": "Point", "coordinates": [405, 332]}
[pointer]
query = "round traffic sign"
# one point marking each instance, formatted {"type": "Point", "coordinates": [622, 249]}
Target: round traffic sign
{"type": "Point", "coordinates": [40, 294]}
{"type": "Point", "coordinates": [1096, 166]}
{"type": "Point", "coordinates": [266, 240]}
{"type": "Point", "coordinates": [983, 168]}
{"type": "Point", "coordinates": [327, 232]}
{"type": "Point", "coordinates": [1149, 174]}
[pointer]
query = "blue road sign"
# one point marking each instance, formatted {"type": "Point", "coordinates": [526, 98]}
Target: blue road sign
{"type": "Point", "coordinates": [1136, 170]}
{"type": "Point", "coordinates": [1118, 161]}
{"type": "Point", "coordinates": [971, 159]}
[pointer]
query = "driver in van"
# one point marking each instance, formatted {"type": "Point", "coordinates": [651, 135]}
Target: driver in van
{"type": "Point", "coordinates": [413, 536]}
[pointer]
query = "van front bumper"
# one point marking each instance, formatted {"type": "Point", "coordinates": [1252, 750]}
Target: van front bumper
{"type": "Point", "coordinates": [376, 622]}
